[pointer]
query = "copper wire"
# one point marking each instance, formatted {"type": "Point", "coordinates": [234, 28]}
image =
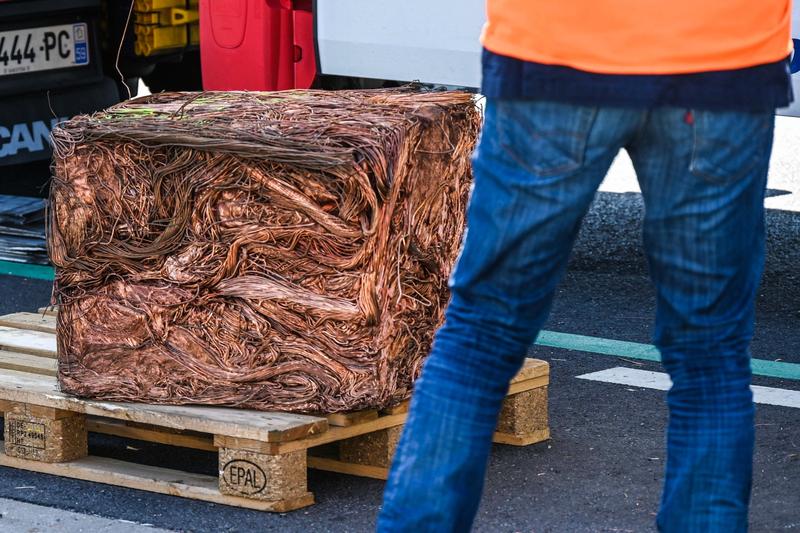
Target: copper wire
{"type": "Point", "coordinates": [281, 250]}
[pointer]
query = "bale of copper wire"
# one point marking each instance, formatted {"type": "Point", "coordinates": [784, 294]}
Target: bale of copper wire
{"type": "Point", "coordinates": [275, 251]}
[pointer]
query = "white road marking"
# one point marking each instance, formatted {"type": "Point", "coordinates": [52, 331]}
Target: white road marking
{"type": "Point", "coordinates": [660, 381]}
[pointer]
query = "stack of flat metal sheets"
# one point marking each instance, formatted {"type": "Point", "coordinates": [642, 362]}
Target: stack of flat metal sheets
{"type": "Point", "coordinates": [22, 230]}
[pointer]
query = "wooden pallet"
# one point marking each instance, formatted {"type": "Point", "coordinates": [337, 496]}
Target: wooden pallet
{"type": "Point", "coordinates": [263, 456]}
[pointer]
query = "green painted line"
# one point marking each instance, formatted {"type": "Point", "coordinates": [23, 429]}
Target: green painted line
{"type": "Point", "coordinates": [648, 352]}
{"type": "Point", "coordinates": [24, 270]}
{"type": "Point", "coordinates": [776, 369]}
{"type": "Point", "coordinates": [582, 343]}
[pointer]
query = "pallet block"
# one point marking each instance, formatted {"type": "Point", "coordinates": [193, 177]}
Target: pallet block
{"type": "Point", "coordinates": [42, 434]}
{"type": "Point", "coordinates": [373, 449]}
{"type": "Point", "coordinates": [262, 476]}
{"type": "Point", "coordinates": [524, 418]}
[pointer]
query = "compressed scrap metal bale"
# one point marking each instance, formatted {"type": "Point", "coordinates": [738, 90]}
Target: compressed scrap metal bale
{"type": "Point", "coordinates": [264, 250]}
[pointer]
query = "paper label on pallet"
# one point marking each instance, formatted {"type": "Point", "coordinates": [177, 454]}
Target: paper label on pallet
{"type": "Point", "coordinates": [25, 433]}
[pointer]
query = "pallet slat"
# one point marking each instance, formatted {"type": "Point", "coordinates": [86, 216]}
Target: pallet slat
{"type": "Point", "coordinates": [28, 363]}
{"type": "Point", "coordinates": [118, 429]}
{"type": "Point", "coordinates": [270, 428]}
{"type": "Point", "coordinates": [151, 479]}
{"type": "Point", "coordinates": [348, 419]}
{"type": "Point", "coordinates": [332, 465]}
{"type": "Point", "coordinates": [514, 440]}
{"type": "Point", "coordinates": [332, 435]}
{"type": "Point", "coordinates": [30, 321]}
{"type": "Point", "coordinates": [528, 384]}
{"type": "Point", "coordinates": [25, 341]}
{"type": "Point", "coordinates": [532, 369]}
{"type": "Point", "coordinates": [397, 409]}
{"type": "Point", "coordinates": [257, 425]}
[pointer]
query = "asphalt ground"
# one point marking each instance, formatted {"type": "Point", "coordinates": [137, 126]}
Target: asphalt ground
{"type": "Point", "coordinates": [601, 471]}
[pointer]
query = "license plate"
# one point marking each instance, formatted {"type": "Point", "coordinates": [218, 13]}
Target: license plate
{"type": "Point", "coordinates": [46, 48]}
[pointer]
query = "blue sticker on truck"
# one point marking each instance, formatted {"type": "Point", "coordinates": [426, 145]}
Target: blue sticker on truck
{"type": "Point", "coordinates": [81, 44]}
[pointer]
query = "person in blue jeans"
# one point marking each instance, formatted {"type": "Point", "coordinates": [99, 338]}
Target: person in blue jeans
{"type": "Point", "coordinates": [700, 142]}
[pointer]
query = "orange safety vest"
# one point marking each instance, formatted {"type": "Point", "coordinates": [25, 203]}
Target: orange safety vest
{"type": "Point", "coordinates": [641, 36]}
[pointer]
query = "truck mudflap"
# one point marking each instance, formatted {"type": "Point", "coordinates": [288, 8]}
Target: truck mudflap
{"type": "Point", "coordinates": [257, 45]}
{"type": "Point", "coordinates": [26, 120]}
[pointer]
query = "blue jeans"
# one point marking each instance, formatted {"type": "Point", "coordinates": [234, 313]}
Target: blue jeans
{"type": "Point", "coordinates": [537, 168]}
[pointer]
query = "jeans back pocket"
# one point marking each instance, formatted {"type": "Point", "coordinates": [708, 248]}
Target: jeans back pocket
{"type": "Point", "coordinates": [544, 138]}
{"type": "Point", "coordinates": [729, 144]}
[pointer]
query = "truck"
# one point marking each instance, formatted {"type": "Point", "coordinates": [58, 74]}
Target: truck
{"type": "Point", "coordinates": [59, 58]}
